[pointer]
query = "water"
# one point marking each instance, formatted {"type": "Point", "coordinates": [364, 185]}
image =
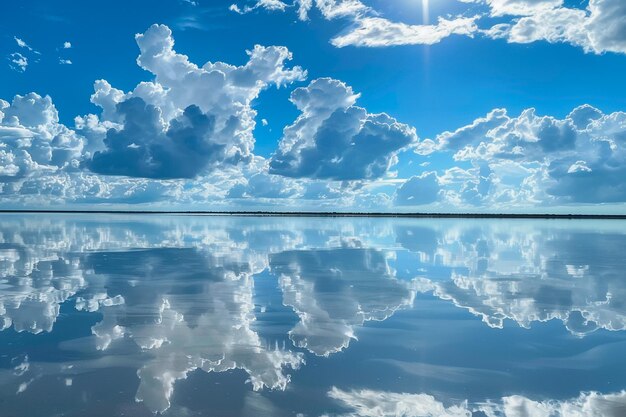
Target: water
{"type": "Point", "coordinates": [242, 316]}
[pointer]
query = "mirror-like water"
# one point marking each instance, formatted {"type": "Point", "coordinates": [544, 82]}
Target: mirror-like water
{"type": "Point", "coordinates": [242, 316]}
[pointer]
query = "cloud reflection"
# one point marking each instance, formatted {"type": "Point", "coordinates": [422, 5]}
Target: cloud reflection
{"type": "Point", "coordinates": [369, 403]}
{"type": "Point", "coordinates": [334, 290]}
{"type": "Point", "coordinates": [166, 297]}
{"type": "Point", "coordinates": [527, 275]}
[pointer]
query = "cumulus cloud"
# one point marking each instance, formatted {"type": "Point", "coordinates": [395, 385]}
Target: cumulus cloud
{"type": "Point", "coordinates": [190, 117]}
{"type": "Point", "coordinates": [599, 28]}
{"type": "Point", "coordinates": [143, 147]}
{"type": "Point", "coordinates": [537, 158]}
{"type": "Point", "coordinates": [33, 140]}
{"type": "Point", "coordinates": [334, 139]}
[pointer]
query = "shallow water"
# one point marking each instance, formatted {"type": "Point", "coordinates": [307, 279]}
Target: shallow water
{"type": "Point", "coordinates": [242, 316]}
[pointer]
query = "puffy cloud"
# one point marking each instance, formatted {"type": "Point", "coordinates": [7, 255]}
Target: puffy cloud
{"type": "Point", "coordinates": [41, 159]}
{"type": "Point", "coordinates": [599, 28]}
{"type": "Point", "coordinates": [607, 25]}
{"type": "Point", "coordinates": [144, 148]}
{"type": "Point", "coordinates": [334, 139]}
{"type": "Point", "coordinates": [190, 117]}
{"type": "Point", "coordinates": [33, 141]}
{"type": "Point", "coordinates": [539, 158]}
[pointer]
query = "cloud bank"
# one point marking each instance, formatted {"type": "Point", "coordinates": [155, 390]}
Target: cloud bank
{"type": "Point", "coordinates": [597, 28]}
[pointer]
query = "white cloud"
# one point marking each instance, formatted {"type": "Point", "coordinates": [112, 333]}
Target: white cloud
{"type": "Point", "coordinates": [21, 43]}
{"type": "Point", "coordinates": [597, 29]}
{"type": "Point", "coordinates": [271, 5]}
{"type": "Point", "coordinates": [334, 139]}
{"type": "Point", "coordinates": [521, 7]}
{"type": "Point", "coordinates": [333, 9]}
{"type": "Point", "coordinates": [304, 6]}
{"type": "Point", "coordinates": [192, 118]}
{"type": "Point", "coordinates": [531, 159]}
{"type": "Point", "coordinates": [18, 62]}
{"type": "Point", "coordinates": [368, 28]}
{"type": "Point", "coordinates": [380, 32]}
{"type": "Point", "coordinates": [67, 45]}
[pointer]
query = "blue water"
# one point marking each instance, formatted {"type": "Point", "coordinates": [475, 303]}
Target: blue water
{"type": "Point", "coordinates": [242, 316]}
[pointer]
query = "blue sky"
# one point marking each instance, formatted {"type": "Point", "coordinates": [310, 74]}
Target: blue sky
{"type": "Point", "coordinates": [408, 105]}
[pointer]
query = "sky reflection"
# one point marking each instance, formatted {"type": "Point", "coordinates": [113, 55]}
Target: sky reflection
{"type": "Point", "coordinates": [314, 317]}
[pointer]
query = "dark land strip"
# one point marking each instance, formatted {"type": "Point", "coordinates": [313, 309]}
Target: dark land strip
{"type": "Point", "coordinates": [331, 214]}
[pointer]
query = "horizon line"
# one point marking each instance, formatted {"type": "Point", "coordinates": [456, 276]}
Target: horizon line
{"type": "Point", "coordinates": [261, 213]}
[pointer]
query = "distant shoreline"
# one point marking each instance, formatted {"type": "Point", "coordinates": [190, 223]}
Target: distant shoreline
{"type": "Point", "coordinates": [330, 214]}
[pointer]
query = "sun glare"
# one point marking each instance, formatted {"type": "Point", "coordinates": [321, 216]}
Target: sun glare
{"type": "Point", "coordinates": [425, 11]}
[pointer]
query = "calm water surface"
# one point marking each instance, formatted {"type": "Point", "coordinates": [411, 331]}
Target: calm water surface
{"type": "Point", "coordinates": [242, 316]}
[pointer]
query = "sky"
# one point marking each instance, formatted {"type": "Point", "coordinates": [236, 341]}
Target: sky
{"type": "Point", "coordinates": [506, 106]}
